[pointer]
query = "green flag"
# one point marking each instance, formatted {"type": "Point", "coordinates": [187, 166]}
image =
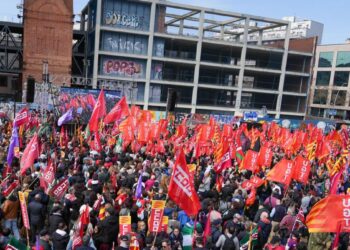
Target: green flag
{"type": "Point", "coordinates": [250, 238]}
{"type": "Point", "coordinates": [87, 132]}
{"type": "Point", "coordinates": [15, 245]}
{"type": "Point", "coordinates": [187, 232]}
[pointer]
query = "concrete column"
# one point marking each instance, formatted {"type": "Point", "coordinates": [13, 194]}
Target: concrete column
{"type": "Point", "coordinates": [260, 37]}
{"type": "Point", "coordinates": [222, 32]}
{"type": "Point", "coordinates": [181, 28]}
{"type": "Point", "coordinates": [97, 43]}
{"type": "Point", "coordinates": [241, 71]}
{"type": "Point", "coordinates": [283, 74]}
{"type": "Point", "coordinates": [149, 54]}
{"type": "Point", "coordinates": [198, 61]}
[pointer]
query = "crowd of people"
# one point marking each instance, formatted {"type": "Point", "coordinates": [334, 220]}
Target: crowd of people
{"type": "Point", "coordinates": [104, 183]}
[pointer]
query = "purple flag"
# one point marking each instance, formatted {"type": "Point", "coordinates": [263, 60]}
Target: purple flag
{"type": "Point", "coordinates": [37, 243]}
{"type": "Point", "coordinates": [138, 193]}
{"type": "Point", "coordinates": [66, 117]}
{"type": "Point", "coordinates": [13, 145]}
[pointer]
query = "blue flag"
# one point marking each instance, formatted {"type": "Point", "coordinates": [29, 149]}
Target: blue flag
{"type": "Point", "coordinates": [138, 193]}
{"type": "Point", "coordinates": [66, 117]}
{"type": "Point", "coordinates": [13, 145]}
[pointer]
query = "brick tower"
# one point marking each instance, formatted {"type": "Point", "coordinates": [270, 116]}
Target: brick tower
{"type": "Point", "coordinates": [48, 33]}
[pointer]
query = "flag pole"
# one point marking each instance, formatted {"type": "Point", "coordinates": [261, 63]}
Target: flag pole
{"type": "Point", "coordinates": [250, 237]}
{"type": "Point", "coordinates": [294, 224]}
{"type": "Point", "coordinates": [27, 233]}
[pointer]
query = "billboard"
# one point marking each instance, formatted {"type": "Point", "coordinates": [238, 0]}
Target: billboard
{"type": "Point", "coordinates": [83, 101]}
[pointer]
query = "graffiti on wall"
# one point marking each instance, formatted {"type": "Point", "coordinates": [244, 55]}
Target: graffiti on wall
{"type": "Point", "coordinates": [130, 21]}
{"type": "Point", "coordinates": [122, 67]}
{"type": "Point", "coordinates": [123, 45]}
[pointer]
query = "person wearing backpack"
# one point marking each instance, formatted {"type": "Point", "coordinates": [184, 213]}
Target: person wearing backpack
{"type": "Point", "coordinates": [227, 241]}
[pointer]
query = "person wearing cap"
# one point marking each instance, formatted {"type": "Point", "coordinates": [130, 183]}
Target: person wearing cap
{"type": "Point", "coordinates": [124, 243]}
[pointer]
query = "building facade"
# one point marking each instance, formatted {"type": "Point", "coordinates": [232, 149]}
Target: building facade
{"type": "Point", "coordinates": [330, 89]}
{"type": "Point", "coordinates": [145, 47]}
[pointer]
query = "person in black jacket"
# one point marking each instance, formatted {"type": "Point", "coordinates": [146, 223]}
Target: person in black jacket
{"type": "Point", "coordinates": [175, 238]}
{"type": "Point", "coordinates": [60, 237]}
{"type": "Point", "coordinates": [107, 229]}
{"type": "Point", "coordinates": [36, 213]}
{"type": "Point", "coordinates": [264, 229]}
{"type": "Point", "coordinates": [55, 218]}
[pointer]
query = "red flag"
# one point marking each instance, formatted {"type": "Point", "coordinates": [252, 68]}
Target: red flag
{"type": "Point", "coordinates": [22, 117]}
{"type": "Point", "coordinates": [10, 188]}
{"type": "Point", "coordinates": [59, 190]}
{"type": "Point", "coordinates": [265, 156]}
{"type": "Point", "coordinates": [227, 131]}
{"type": "Point", "coordinates": [207, 229]}
{"type": "Point", "coordinates": [251, 198]}
{"type": "Point", "coordinates": [146, 116]}
{"type": "Point", "coordinates": [327, 213]}
{"type": "Point", "coordinates": [160, 147]}
{"type": "Point", "coordinates": [144, 132]}
{"type": "Point", "coordinates": [205, 133]}
{"type": "Point", "coordinates": [302, 169]}
{"type": "Point", "coordinates": [98, 112]}
{"type": "Point", "coordinates": [250, 161]}
{"type": "Point", "coordinates": [282, 172]}
{"type": "Point", "coordinates": [47, 177]}
{"type": "Point", "coordinates": [181, 189]}
{"type": "Point", "coordinates": [163, 124]}
{"type": "Point", "coordinates": [119, 111]}
{"type": "Point", "coordinates": [84, 220]}
{"type": "Point", "coordinates": [335, 181]}
{"type": "Point", "coordinates": [96, 144]}
{"type": "Point", "coordinates": [256, 181]}
{"type": "Point", "coordinates": [30, 153]}
{"type": "Point", "coordinates": [224, 163]}
{"type": "Point", "coordinates": [155, 131]}
{"type": "Point", "coordinates": [323, 150]}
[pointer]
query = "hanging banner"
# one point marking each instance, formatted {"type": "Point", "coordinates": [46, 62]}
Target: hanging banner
{"type": "Point", "coordinates": [124, 225]}
{"type": "Point", "coordinates": [155, 221]}
{"type": "Point", "coordinates": [24, 211]}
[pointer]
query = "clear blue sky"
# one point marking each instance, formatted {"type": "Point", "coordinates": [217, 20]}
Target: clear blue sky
{"type": "Point", "coordinates": [334, 14]}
